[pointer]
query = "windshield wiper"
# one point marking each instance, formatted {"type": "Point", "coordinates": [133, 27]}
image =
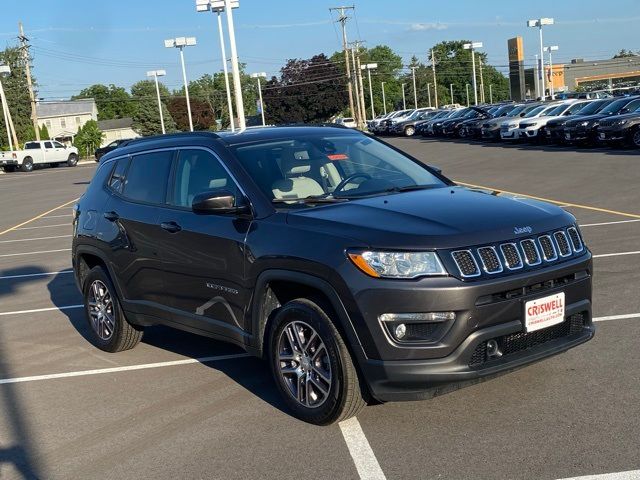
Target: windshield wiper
{"type": "Point", "coordinates": [406, 188]}
{"type": "Point", "coordinates": [310, 200]}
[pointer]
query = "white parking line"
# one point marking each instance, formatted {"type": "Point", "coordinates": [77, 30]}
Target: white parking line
{"type": "Point", "coordinates": [128, 368]}
{"type": "Point", "coordinates": [608, 223]}
{"type": "Point", "coordinates": [37, 310]}
{"type": "Point", "coordinates": [28, 275]}
{"type": "Point", "coordinates": [616, 317]}
{"type": "Point", "coordinates": [34, 239]}
{"type": "Point", "coordinates": [628, 475]}
{"type": "Point", "coordinates": [45, 226]}
{"type": "Point", "coordinates": [360, 450]}
{"type": "Point", "coordinates": [59, 216]}
{"type": "Point", "coordinates": [35, 253]}
{"type": "Point", "coordinates": [602, 255]}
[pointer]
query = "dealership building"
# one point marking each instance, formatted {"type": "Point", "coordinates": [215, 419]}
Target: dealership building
{"type": "Point", "coordinates": [593, 74]}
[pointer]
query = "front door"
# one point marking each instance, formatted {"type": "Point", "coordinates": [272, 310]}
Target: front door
{"type": "Point", "coordinates": [204, 255]}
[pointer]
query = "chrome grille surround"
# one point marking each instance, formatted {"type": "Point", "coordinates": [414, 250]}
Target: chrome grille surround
{"type": "Point", "coordinates": [463, 258]}
{"type": "Point", "coordinates": [489, 259]}
{"type": "Point", "coordinates": [576, 242]}
{"type": "Point", "coordinates": [564, 249]}
{"type": "Point", "coordinates": [531, 253]}
{"type": "Point", "coordinates": [509, 251]}
{"type": "Point", "coordinates": [548, 249]}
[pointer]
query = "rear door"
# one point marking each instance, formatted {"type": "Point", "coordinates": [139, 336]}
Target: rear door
{"type": "Point", "coordinates": [204, 255]}
{"type": "Point", "coordinates": [139, 188]}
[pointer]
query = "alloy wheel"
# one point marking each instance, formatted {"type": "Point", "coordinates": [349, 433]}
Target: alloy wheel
{"type": "Point", "coordinates": [101, 310]}
{"type": "Point", "coordinates": [303, 363]}
{"type": "Point", "coordinates": [636, 137]}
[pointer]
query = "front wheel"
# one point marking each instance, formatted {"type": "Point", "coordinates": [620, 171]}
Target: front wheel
{"type": "Point", "coordinates": [72, 161]}
{"type": "Point", "coordinates": [312, 366]}
{"type": "Point", "coordinates": [635, 137]}
{"type": "Point", "coordinates": [409, 131]}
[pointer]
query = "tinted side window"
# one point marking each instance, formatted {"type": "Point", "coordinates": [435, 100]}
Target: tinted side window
{"type": "Point", "coordinates": [148, 176]}
{"type": "Point", "coordinates": [199, 171]}
{"type": "Point", "coordinates": [48, 145]}
{"type": "Point", "coordinates": [116, 181]}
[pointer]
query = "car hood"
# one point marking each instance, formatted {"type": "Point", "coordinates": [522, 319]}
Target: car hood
{"type": "Point", "coordinates": [448, 217]}
{"type": "Point", "coordinates": [586, 118]}
{"type": "Point", "coordinates": [625, 116]}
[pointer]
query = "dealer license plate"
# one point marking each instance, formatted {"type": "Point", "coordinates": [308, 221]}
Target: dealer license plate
{"type": "Point", "coordinates": [603, 136]}
{"type": "Point", "coordinates": [544, 312]}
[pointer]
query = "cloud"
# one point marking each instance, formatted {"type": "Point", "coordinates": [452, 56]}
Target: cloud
{"type": "Point", "coordinates": [420, 27]}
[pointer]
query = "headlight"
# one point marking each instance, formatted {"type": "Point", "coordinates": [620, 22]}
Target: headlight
{"type": "Point", "coordinates": [584, 124]}
{"type": "Point", "coordinates": [398, 264]}
{"type": "Point", "coordinates": [622, 122]}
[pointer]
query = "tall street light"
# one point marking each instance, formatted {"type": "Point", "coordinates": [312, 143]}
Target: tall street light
{"type": "Point", "coordinates": [404, 100]}
{"type": "Point", "coordinates": [415, 93]}
{"type": "Point", "coordinates": [472, 47]}
{"type": "Point", "coordinates": [467, 87]}
{"type": "Point", "coordinates": [217, 7]}
{"type": "Point", "coordinates": [368, 67]}
{"type": "Point", "coordinates": [5, 71]}
{"type": "Point", "coordinates": [451, 90]}
{"type": "Point", "coordinates": [552, 48]}
{"type": "Point", "coordinates": [155, 74]}
{"type": "Point", "coordinates": [539, 23]}
{"type": "Point", "coordinates": [259, 76]}
{"type": "Point", "coordinates": [235, 69]}
{"type": "Point", "coordinates": [180, 43]}
{"type": "Point", "coordinates": [384, 99]}
{"type": "Point", "coordinates": [429, 93]}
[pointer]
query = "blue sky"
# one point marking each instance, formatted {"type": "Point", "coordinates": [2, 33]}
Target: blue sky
{"type": "Point", "coordinates": [78, 43]}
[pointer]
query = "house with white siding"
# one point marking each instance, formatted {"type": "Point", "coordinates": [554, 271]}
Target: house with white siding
{"type": "Point", "coordinates": [63, 118]}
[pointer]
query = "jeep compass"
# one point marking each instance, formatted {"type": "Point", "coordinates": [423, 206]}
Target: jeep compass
{"type": "Point", "coordinates": [356, 271]}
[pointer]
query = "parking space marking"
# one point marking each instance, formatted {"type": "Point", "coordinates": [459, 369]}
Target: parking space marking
{"type": "Point", "coordinates": [602, 255]}
{"type": "Point", "coordinates": [28, 275]}
{"type": "Point", "coordinates": [34, 239]}
{"type": "Point", "coordinates": [360, 450]}
{"type": "Point", "coordinates": [10, 229]}
{"type": "Point", "coordinates": [556, 202]}
{"type": "Point", "coordinates": [35, 253]}
{"type": "Point", "coordinates": [628, 475]}
{"type": "Point", "coordinates": [608, 223]}
{"type": "Point", "coordinates": [58, 216]}
{"type": "Point", "coordinates": [616, 317]}
{"type": "Point", "coordinates": [37, 310]}
{"type": "Point", "coordinates": [45, 226]}
{"type": "Point", "coordinates": [128, 368]}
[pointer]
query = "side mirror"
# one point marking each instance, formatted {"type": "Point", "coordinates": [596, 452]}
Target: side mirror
{"type": "Point", "coordinates": [218, 202]}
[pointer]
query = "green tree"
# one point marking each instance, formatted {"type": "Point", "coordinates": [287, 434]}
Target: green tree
{"type": "Point", "coordinates": [88, 138]}
{"type": "Point", "coordinates": [112, 101]}
{"type": "Point", "coordinates": [146, 89]}
{"type": "Point", "coordinates": [146, 120]}
{"type": "Point", "coordinates": [17, 93]}
{"type": "Point", "coordinates": [44, 132]}
{"type": "Point", "coordinates": [626, 54]}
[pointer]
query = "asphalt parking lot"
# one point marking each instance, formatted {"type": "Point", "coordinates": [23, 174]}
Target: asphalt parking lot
{"type": "Point", "coordinates": [182, 406]}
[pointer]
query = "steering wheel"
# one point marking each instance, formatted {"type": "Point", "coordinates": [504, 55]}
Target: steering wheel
{"type": "Point", "coordinates": [346, 181]}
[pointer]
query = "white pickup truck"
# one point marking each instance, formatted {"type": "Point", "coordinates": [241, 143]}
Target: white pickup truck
{"type": "Point", "coordinates": [37, 153]}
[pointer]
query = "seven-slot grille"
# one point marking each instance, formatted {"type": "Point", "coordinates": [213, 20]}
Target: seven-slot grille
{"type": "Point", "coordinates": [511, 256]}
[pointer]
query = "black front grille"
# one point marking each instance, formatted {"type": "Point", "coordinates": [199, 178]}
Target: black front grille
{"type": "Point", "coordinates": [511, 256]}
{"type": "Point", "coordinates": [490, 261]}
{"type": "Point", "coordinates": [548, 250]}
{"type": "Point", "coordinates": [563, 244]}
{"type": "Point", "coordinates": [521, 341]}
{"type": "Point", "coordinates": [466, 263]}
{"type": "Point", "coordinates": [576, 241]}
{"type": "Point", "coordinates": [531, 255]}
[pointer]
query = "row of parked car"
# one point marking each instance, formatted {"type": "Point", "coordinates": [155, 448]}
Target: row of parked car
{"type": "Point", "coordinates": [614, 120]}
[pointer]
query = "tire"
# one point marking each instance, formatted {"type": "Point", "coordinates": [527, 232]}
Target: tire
{"type": "Point", "coordinates": [27, 165]}
{"type": "Point", "coordinates": [9, 168]}
{"type": "Point", "coordinates": [342, 396]}
{"type": "Point", "coordinates": [635, 137]}
{"type": "Point", "coordinates": [409, 131]}
{"type": "Point", "coordinates": [111, 336]}
{"type": "Point", "coordinates": [72, 160]}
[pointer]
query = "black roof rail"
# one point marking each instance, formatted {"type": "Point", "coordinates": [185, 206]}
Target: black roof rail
{"type": "Point", "coordinates": [319, 124]}
{"type": "Point", "coordinates": [167, 136]}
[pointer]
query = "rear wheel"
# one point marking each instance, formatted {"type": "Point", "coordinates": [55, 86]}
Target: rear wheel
{"type": "Point", "coordinates": [110, 330]}
{"type": "Point", "coordinates": [409, 131]}
{"type": "Point", "coordinates": [635, 137]}
{"type": "Point", "coordinates": [27, 165]}
{"type": "Point", "coordinates": [72, 161]}
{"type": "Point", "coordinates": [312, 366]}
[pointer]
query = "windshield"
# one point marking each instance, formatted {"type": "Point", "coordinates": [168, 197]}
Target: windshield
{"type": "Point", "coordinates": [502, 111]}
{"type": "Point", "coordinates": [555, 111]}
{"type": "Point", "coordinates": [535, 111]}
{"type": "Point", "coordinates": [330, 167]}
{"type": "Point", "coordinates": [614, 107]}
{"type": "Point", "coordinates": [517, 111]}
{"type": "Point", "coordinates": [594, 107]}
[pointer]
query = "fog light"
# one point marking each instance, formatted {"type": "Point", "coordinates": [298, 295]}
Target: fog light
{"type": "Point", "coordinates": [400, 331]}
{"type": "Point", "coordinates": [493, 351]}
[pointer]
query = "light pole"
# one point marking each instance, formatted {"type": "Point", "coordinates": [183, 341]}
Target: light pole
{"type": "Point", "coordinates": [429, 93]}
{"type": "Point", "coordinates": [404, 100]}
{"type": "Point", "coordinates": [155, 74]}
{"type": "Point", "coordinates": [490, 93]}
{"type": "Point", "coordinates": [467, 87]}
{"type": "Point", "coordinates": [5, 71]}
{"type": "Point", "coordinates": [368, 67]}
{"type": "Point", "coordinates": [552, 48]}
{"type": "Point", "coordinates": [539, 23]}
{"type": "Point", "coordinates": [180, 43]}
{"type": "Point", "coordinates": [235, 69]}
{"type": "Point", "coordinates": [472, 46]}
{"type": "Point", "coordinates": [259, 76]}
{"type": "Point", "coordinates": [217, 6]}
{"type": "Point", "coordinates": [384, 99]}
{"type": "Point", "coordinates": [451, 90]}
{"type": "Point", "coordinates": [415, 93]}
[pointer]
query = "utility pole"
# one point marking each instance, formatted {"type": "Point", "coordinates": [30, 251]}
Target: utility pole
{"type": "Point", "coordinates": [451, 90]}
{"type": "Point", "coordinates": [429, 93]}
{"type": "Point", "coordinates": [404, 100]}
{"type": "Point", "coordinates": [343, 22]}
{"type": "Point", "coordinates": [467, 87]}
{"type": "Point", "coordinates": [24, 47]}
{"type": "Point", "coordinates": [384, 99]}
{"type": "Point", "coordinates": [481, 81]}
{"type": "Point", "coordinates": [490, 93]}
{"type": "Point", "coordinates": [358, 73]}
{"type": "Point", "coordinates": [415, 93]}
{"type": "Point", "coordinates": [359, 117]}
{"type": "Point", "coordinates": [435, 83]}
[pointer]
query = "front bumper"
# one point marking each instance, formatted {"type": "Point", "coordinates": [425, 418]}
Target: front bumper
{"type": "Point", "coordinates": [612, 135]}
{"type": "Point", "coordinates": [6, 162]}
{"type": "Point", "coordinates": [509, 134]}
{"type": "Point", "coordinates": [531, 132]}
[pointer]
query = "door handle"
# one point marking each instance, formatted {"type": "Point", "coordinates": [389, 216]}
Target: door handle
{"type": "Point", "coordinates": [171, 227]}
{"type": "Point", "coordinates": [111, 216]}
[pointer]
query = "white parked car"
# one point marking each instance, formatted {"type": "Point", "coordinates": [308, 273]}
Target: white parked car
{"type": "Point", "coordinates": [38, 153]}
{"type": "Point", "coordinates": [533, 128]}
{"type": "Point", "coordinates": [510, 129]}
{"type": "Point", "coordinates": [347, 122]}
